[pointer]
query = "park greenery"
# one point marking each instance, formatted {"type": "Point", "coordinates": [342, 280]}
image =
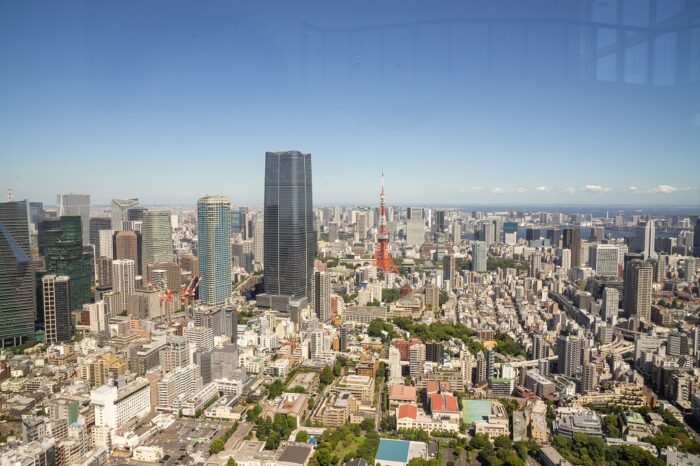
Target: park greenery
{"type": "Point", "coordinates": [438, 331]}
{"type": "Point", "coordinates": [508, 346]}
{"type": "Point", "coordinates": [389, 295]}
{"type": "Point", "coordinates": [495, 263]}
{"type": "Point", "coordinates": [377, 326]}
{"type": "Point", "coordinates": [274, 431]}
{"type": "Point", "coordinates": [345, 443]}
{"type": "Point", "coordinates": [587, 450]}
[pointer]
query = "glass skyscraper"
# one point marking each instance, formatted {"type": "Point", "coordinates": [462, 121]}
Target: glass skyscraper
{"type": "Point", "coordinates": [65, 255]}
{"type": "Point", "coordinates": [17, 279]}
{"type": "Point", "coordinates": [214, 249]}
{"type": "Point", "coordinates": [289, 239]}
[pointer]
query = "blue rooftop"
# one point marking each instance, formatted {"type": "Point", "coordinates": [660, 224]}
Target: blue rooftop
{"type": "Point", "coordinates": [475, 410]}
{"type": "Point", "coordinates": [392, 450]}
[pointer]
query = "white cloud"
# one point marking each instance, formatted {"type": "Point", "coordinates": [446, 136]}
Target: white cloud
{"type": "Point", "coordinates": [596, 188]}
{"type": "Point", "coordinates": [634, 189]}
{"type": "Point", "coordinates": [568, 190]}
{"type": "Point", "coordinates": [498, 190]}
{"type": "Point", "coordinates": [520, 190]}
{"type": "Point", "coordinates": [664, 189]}
{"type": "Point", "coordinates": [542, 189]}
{"type": "Point", "coordinates": [478, 188]}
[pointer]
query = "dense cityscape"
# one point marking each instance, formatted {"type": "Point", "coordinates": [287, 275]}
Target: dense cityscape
{"type": "Point", "coordinates": [294, 334]}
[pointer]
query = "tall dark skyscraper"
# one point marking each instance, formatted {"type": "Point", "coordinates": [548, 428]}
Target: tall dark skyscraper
{"type": "Point", "coordinates": [571, 239]}
{"type": "Point", "coordinates": [696, 239]}
{"type": "Point", "coordinates": [290, 243]}
{"type": "Point", "coordinates": [64, 255]}
{"type": "Point", "coordinates": [17, 279]}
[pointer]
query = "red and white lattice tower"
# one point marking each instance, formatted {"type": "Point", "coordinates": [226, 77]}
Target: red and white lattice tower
{"type": "Point", "coordinates": [382, 256]}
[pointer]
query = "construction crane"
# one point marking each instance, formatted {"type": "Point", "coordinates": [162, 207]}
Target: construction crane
{"type": "Point", "coordinates": [191, 288]}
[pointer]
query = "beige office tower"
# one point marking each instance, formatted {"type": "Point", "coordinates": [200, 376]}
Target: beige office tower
{"type": "Point", "coordinates": [157, 238]}
{"type": "Point", "coordinates": [416, 359]}
{"type": "Point", "coordinates": [123, 280]}
{"type": "Point", "coordinates": [106, 244]}
{"type": "Point", "coordinates": [415, 227]}
{"type": "Point", "coordinates": [126, 246]}
{"type": "Point", "coordinates": [638, 282]}
{"type": "Point", "coordinates": [259, 239]}
{"type": "Point", "coordinates": [321, 296]}
{"type": "Point", "coordinates": [432, 297]}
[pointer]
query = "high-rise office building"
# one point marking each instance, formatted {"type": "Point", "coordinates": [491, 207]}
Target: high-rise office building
{"type": "Point", "coordinates": [490, 364]}
{"type": "Point", "coordinates": [564, 258]}
{"type": "Point", "coordinates": [259, 239]}
{"type": "Point", "coordinates": [322, 296]}
{"type": "Point", "coordinates": [434, 351]}
{"type": "Point", "coordinates": [156, 237]}
{"type": "Point", "coordinates": [123, 281]}
{"type": "Point", "coordinates": [571, 239]}
{"type": "Point", "coordinates": [290, 241]}
{"type": "Point", "coordinates": [44, 225]}
{"type": "Point", "coordinates": [603, 258]}
{"type": "Point", "coordinates": [696, 239]}
{"type": "Point", "coordinates": [539, 348]}
{"type": "Point", "coordinates": [535, 264]}
{"type": "Point", "coordinates": [440, 220]}
{"type": "Point", "coordinates": [416, 359]}
{"type": "Point", "coordinates": [98, 224]}
{"type": "Point", "coordinates": [611, 303]}
{"type": "Point", "coordinates": [17, 278]}
{"type": "Point", "coordinates": [58, 325]}
{"type": "Point", "coordinates": [415, 227]}
{"type": "Point", "coordinates": [589, 378]}
{"type": "Point", "coordinates": [488, 233]}
{"type": "Point", "coordinates": [432, 297]}
{"type": "Point", "coordinates": [645, 239]}
{"type": "Point", "coordinates": [479, 256]}
{"type": "Point", "coordinates": [106, 244]}
{"type": "Point", "coordinates": [70, 205]}
{"type": "Point", "coordinates": [569, 349]}
{"type": "Point", "coordinates": [361, 226]}
{"type": "Point", "coordinates": [345, 336]}
{"type": "Point", "coordinates": [638, 283]}
{"type": "Point", "coordinates": [129, 245]}
{"type": "Point", "coordinates": [64, 255]}
{"type": "Point", "coordinates": [448, 268]}
{"type": "Point", "coordinates": [214, 249]}
{"type": "Point", "coordinates": [120, 211]}
{"type": "Point", "coordinates": [104, 272]}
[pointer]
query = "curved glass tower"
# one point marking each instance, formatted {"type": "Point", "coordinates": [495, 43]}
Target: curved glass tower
{"type": "Point", "coordinates": [214, 249]}
{"type": "Point", "coordinates": [289, 239]}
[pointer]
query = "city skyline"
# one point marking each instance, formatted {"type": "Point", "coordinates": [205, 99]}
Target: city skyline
{"type": "Point", "coordinates": [471, 128]}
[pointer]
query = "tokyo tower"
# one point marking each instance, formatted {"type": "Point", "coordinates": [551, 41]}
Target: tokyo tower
{"type": "Point", "coordinates": [382, 256]}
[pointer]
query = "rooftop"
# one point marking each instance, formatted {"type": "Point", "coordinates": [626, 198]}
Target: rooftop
{"type": "Point", "coordinates": [475, 410]}
{"type": "Point", "coordinates": [402, 392]}
{"type": "Point", "coordinates": [392, 450]}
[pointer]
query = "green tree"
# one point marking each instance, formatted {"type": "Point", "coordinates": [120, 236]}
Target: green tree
{"type": "Point", "coordinates": [302, 436]}
{"type": "Point", "coordinates": [275, 389]}
{"type": "Point", "coordinates": [216, 446]}
{"type": "Point", "coordinates": [389, 295]}
{"type": "Point", "coordinates": [231, 462]}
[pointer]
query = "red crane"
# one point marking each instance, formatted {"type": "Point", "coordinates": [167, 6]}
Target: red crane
{"type": "Point", "coordinates": [382, 255]}
{"type": "Point", "coordinates": [191, 288]}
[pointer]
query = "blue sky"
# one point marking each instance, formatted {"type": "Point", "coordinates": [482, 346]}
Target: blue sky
{"type": "Point", "coordinates": [458, 102]}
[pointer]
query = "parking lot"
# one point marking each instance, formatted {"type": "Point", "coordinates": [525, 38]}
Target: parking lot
{"type": "Point", "coordinates": [183, 437]}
